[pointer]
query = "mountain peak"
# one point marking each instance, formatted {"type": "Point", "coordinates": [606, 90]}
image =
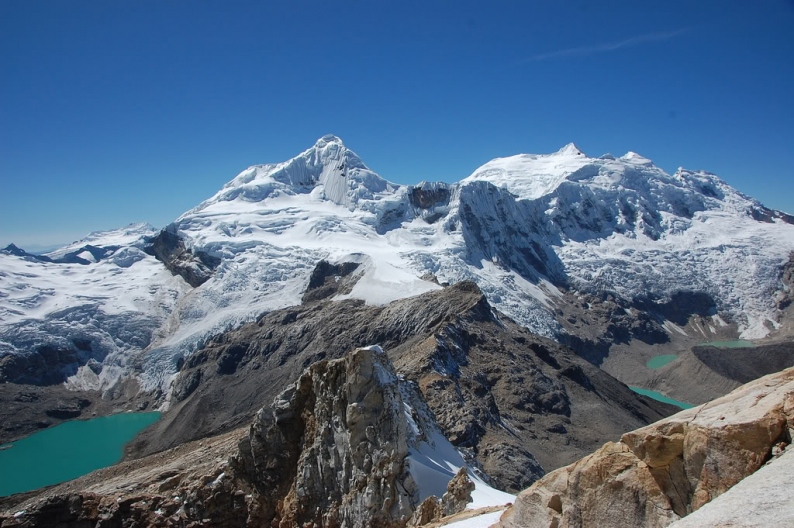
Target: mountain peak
{"type": "Point", "coordinates": [571, 150]}
{"type": "Point", "coordinates": [327, 170]}
{"type": "Point", "coordinates": [13, 249]}
{"type": "Point", "coordinates": [328, 139]}
{"type": "Point", "coordinates": [633, 157]}
{"type": "Point", "coordinates": [530, 176]}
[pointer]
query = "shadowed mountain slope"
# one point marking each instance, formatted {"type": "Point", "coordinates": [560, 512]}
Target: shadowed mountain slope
{"type": "Point", "coordinates": [519, 404]}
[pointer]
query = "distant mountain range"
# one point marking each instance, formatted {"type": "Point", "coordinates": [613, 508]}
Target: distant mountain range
{"type": "Point", "coordinates": [592, 252]}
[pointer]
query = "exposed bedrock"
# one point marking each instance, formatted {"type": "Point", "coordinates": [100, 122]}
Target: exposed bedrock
{"type": "Point", "coordinates": [662, 472]}
{"type": "Point", "coordinates": [329, 279]}
{"type": "Point", "coordinates": [331, 450]}
{"type": "Point", "coordinates": [195, 267]}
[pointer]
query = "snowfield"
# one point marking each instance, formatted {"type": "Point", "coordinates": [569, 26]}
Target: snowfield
{"type": "Point", "coordinates": [525, 228]}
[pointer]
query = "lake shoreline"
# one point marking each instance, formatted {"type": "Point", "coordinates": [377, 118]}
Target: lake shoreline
{"type": "Point", "coordinates": [658, 396]}
{"type": "Point", "coordinates": [69, 450]}
{"type": "Point", "coordinates": [26, 409]}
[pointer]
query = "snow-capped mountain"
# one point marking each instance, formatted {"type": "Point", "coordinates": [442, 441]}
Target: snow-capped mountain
{"type": "Point", "coordinates": [529, 229]}
{"type": "Point", "coordinates": [57, 317]}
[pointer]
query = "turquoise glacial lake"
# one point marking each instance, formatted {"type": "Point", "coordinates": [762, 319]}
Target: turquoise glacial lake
{"type": "Point", "coordinates": [659, 361]}
{"type": "Point", "coordinates": [68, 450]}
{"type": "Point", "coordinates": [658, 396]}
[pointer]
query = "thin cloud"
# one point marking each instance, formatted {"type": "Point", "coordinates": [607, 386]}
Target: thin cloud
{"type": "Point", "coordinates": [583, 51]}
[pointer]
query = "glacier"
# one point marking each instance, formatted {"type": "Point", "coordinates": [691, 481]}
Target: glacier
{"type": "Point", "coordinates": [527, 229]}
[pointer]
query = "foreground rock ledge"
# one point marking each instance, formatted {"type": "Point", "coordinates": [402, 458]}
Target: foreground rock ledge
{"type": "Point", "coordinates": [660, 473]}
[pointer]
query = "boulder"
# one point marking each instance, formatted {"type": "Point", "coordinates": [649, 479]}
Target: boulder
{"type": "Point", "coordinates": [455, 500]}
{"type": "Point", "coordinates": [458, 493]}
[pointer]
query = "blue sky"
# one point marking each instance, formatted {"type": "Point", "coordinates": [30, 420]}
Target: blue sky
{"type": "Point", "coordinates": [114, 112]}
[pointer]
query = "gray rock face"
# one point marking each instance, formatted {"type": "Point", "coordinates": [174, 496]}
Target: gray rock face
{"type": "Point", "coordinates": [196, 268]}
{"type": "Point", "coordinates": [331, 450]}
{"type": "Point", "coordinates": [430, 201]}
{"type": "Point", "coordinates": [330, 279]}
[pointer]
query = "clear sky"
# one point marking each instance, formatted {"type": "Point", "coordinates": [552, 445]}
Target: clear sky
{"type": "Point", "coordinates": [122, 111]}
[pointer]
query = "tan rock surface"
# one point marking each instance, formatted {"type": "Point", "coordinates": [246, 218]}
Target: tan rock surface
{"type": "Point", "coordinates": [458, 493]}
{"type": "Point", "coordinates": [608, 488]}
{"type": "Point", "coordinates": [434, 509]}
{"type": "Point", "coordinates": [762, 500]}
{"type": "Point", "coordinates": [662, 472]}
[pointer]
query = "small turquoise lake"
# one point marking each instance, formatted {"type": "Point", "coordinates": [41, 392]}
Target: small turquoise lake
{"type": "Point", "coordinates": [658, 396]}
{"type": "Point", "coordinates": [659, 361]}
{"type": "Point", "coordinates": [68, 450]}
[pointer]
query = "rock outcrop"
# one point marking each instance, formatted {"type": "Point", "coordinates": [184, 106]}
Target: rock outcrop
{"type": "Point", "coordinates": [458, 495]}
{"type": "Point", "coordinates": [660, 473]}
{"type": "Point", "coordinates": [430, 200]}
{"type": "Point", "coordinates": [342, 447]}
{"type": "Point", "coordinates": [332, 449]}
{"type": "Point", "coordinates": [763, 499]}
{"type": "Point", "coordinates": [195, 267]}
{"type": "Point", "coordinates": [330, 279]}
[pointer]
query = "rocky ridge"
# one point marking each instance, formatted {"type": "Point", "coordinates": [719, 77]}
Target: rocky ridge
{"type": "Point", "coordinates": [337, 448]}
{"type": "Point", "coordinates": [515, 403]}
{"type": "Point", "coordinates": [663, 472]}
{"type": "Point", "coordinates": [195, 267]}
